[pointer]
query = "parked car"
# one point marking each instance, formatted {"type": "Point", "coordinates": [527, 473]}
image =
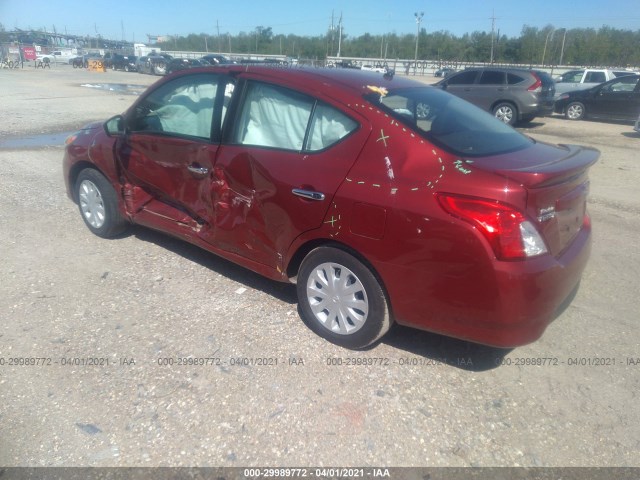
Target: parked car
{"type": "Point", "coordinates": [444, 72]}
{"type": "Point", "coordinates": [183, 63]}
{"type": "Point", "coordinates": [582, 79]}
{"type": "Point", "coordinates": [617, 99]}
{"type": "Point", "coordinates": [385, 200]}
{"type": "Point", "coordinates": [512, 95]}
{"type": "Point", "coordinates": [121, 62]}
{"type": "Point", "coordinates": [57, 56]}
{"type": "Point", "coordinates": [374, 68]}
{"type": "Point", "coordinates": [152, 64]}
{"type": "Point", "coordinates": [217, 59]}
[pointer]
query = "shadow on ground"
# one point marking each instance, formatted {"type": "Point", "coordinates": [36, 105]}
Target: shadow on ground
{"type": "Point", "coordinates": [423, 348]}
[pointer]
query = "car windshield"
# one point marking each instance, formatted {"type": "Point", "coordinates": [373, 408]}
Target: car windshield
{"type": "Point", "coordinates": [449, 122]}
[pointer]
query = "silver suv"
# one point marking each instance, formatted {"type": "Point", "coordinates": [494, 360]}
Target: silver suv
{"type": "Point", "coordinates": [512, 95]}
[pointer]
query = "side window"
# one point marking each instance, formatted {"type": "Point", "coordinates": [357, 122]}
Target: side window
{"type": "Point", "coordinates": [595, 77]}
{"type": "Point", "coordinates": [328, 126]}
{"type": "Point", "coordinates": [463, 78]}
{"type": "Point", "coordinates": [184, 107]}
{"type": "Point", "coordinates": [573, 76]}
{"type": "Point", "coordinates": [491, 77]}
{"type": "Point", "coordinates": [626, 84]}
{"type": "Point", "coordinates": [273, 117]}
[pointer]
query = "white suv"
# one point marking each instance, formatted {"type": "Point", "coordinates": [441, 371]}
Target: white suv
{"type": "Point", "coordinates": [582, 79]}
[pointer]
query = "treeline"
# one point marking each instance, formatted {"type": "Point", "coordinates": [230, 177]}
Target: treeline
{"type": "Point", "coordinates": [550, 46]}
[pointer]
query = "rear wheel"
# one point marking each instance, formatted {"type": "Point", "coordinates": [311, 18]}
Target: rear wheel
{"type": "Point", "coordinates": [574, 111]}
{"type": "Point", "coordinates": [98, 204]}
{"type": "Point", "coordinates": [341, 299]}
{"type": "Point", "coordinates": [506, 112]}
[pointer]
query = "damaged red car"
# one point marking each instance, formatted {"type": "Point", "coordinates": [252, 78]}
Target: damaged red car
{"type": "Point", "coordinates": [382, 199]}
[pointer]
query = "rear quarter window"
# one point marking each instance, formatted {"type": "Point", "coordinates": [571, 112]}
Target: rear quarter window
{"type": "Point", "coordinates": [513, 79]}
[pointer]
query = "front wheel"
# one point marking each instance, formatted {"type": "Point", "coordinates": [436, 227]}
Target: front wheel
{"type": "Point", "coordinates": [574, 111]}
{"type": "Point", "coordinates": [98, 204]}
{"type": "Point", "coordinates": [506, 112]}
{"type": "Point", "coordinates": [341, 299]}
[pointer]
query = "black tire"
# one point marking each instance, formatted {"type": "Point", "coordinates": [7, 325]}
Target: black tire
{"type": "Point", "coordinates": [98, 204]}
{"type": "Point", "coordinates": [506, 112]}
{"type": "Point", "coordinates": [575, 111]}
{"type": "Point", "coordinates": [360, 312]}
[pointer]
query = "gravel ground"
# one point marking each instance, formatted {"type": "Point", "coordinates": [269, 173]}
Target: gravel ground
{"type": "Point", "coordinates": [133, 302]}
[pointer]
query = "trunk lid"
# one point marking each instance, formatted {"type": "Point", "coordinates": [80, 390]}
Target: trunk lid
{"type": "Point", "coordinates": [557, 184]}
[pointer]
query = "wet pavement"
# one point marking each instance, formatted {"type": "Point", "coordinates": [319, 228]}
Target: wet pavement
{"type": "Point", "coordinates": [127, 89]}
{"type": "Point", "coordinates": [34, 141]}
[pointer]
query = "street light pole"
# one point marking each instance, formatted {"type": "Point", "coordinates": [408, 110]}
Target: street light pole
{"type": "Point", "coordinates": [415, 59]}
{"type": "Point", "coordinates": [545, 44]}
{"type": "Point", "coordinates": [564, 37]}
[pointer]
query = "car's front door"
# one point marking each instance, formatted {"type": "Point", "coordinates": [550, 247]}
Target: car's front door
{"type": "Point", "coordinates": [618, 99]}
{"type": "Point", "coordinates": [168, 151]}
{"type": "Point", "coordinates": [462, 84]}
{"type": "Point", "coordinates": [278, 170]}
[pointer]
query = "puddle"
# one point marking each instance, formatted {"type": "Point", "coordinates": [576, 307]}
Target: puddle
{"type": "Point", "coordinates": [124, 88]}
{"type": "Point", "coordinates": [35, 141]}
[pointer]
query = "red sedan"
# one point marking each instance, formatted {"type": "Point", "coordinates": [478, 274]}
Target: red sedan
{"type": "Point", "coordinates": [383, 199]}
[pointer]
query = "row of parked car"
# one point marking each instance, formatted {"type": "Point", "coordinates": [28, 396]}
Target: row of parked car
{"type": "Point", "coordinates": [155, 64]}
{"type": "Point", "coordinates": [520, 95]}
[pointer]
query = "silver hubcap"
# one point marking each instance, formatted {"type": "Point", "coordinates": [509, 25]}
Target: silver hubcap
{"type": "Point", "coordinates": [574, 111]}
{"type": "Point", "coordinates": [337, 298]}
{"type": "Point", "coordinates": [504, 114]}
{"type": "Point", "coordinates": [91, 204]}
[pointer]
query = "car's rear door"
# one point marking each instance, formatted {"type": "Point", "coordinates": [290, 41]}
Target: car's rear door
{"type": "Point", "coordinates": [490, 88]}
{"type": "Point", "coordinates": [278, 170]}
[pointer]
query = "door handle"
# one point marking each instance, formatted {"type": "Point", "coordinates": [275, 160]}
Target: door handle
{"type": "Point", "coordinates": [308, 194]}
{"type": "Point", "coordinates": [198, 170]}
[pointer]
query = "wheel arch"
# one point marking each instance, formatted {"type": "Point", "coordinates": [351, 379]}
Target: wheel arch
{"type": "Point", "coordinates": [293, 267]}
{"type": "Point", "coordinates": [75, 170]}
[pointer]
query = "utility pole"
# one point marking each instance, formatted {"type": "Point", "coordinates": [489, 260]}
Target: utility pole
{"type": "Point", "coordinates": [218, 29]}
{"type": "Point", "coordinates": [415, 59]}
{"type": "Point", "coordinates": [339, 36]}
{"type": "Point", "coordinates": [493, 29]}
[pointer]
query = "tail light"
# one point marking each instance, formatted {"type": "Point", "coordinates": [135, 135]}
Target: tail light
{"type": "Point", "coordinates": [510, 234]}
{"type": "Point", "coordinates": [537, 86]}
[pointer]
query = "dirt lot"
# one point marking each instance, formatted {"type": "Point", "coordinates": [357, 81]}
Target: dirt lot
{"type": "Point", "coordinates": [134, 302]}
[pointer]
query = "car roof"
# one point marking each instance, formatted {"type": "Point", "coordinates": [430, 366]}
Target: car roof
{"type": "Point", "coordinates": [501, 69]}
{"type": "Point", "coordinates": [320, 78]}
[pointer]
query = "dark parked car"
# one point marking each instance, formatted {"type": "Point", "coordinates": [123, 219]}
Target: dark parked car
{"type": "Point", "coordinates": [384, 200]}
{"type": "Point", "coordinates": [617, 99]}
{"type": "Point", "coordinates": [217, 59]}
{"type": "Point", "coordinates": [182, 63]}
{"type": "Point", "coordinates": [152, 64]}
{"type": "Point", "coordinates": [121, 62]}
{"type": "Point", "coordinates": [512, 95]}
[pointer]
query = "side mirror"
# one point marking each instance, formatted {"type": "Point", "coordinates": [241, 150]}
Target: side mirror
{"type": "Point", "coordinates": [115, 126]}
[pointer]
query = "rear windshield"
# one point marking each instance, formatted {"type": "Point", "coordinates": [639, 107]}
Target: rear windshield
{"type": "Point", "coordinates": [450, 122]}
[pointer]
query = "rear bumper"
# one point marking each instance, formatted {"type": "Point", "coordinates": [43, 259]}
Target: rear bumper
{"type": "Point", "coordinates": [502, 304]}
